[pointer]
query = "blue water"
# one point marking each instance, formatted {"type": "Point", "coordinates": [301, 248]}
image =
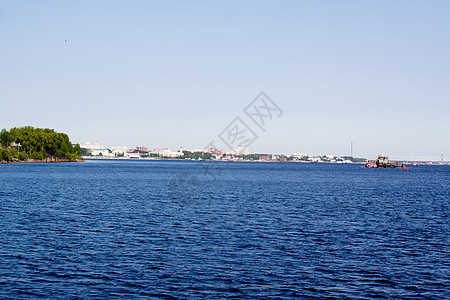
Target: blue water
{"type": "Point", "coordinates": [203, 230]}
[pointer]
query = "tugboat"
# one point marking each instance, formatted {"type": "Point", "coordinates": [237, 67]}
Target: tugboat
{"type": "Point", "coordinates": [383, 162]}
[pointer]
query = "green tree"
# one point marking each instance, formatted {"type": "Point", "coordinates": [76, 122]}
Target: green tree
{"type": "Point", "coordinates": [22, 156]}
{"type": "Point", "coordinates": [37, 156]}
{"type": "Point", "coordinates": [5, 138]}
{"type": "Point", "coordinates": [13, 151]}
{"type": "Point", "coordinates": [77, 150]}
{"type": "Point", "coordinates": [85, 152]}
{"type": "Point", "coordinates": [5, 155]}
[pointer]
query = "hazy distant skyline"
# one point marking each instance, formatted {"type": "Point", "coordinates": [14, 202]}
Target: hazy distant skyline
{"type": "Point", "coordinates": [177, 73]}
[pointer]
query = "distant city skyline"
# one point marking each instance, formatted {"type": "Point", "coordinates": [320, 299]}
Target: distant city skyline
{"type": "Point", "coordinates": [123, 148]}
{"type": "Point", "coordinates": [177, 74]}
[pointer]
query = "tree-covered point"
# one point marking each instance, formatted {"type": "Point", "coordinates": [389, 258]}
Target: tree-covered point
{"type": "Point", "coordinates": [24, 143]}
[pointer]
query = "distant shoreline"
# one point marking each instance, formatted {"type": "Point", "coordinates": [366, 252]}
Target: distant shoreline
{"type": "Point", "coordinates": [423, 163]}
{"type": "Point", "coordinates": [223, 161]}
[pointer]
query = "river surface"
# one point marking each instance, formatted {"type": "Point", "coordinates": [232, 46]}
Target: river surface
{"type": "Point", "coordinates": [120, 229]}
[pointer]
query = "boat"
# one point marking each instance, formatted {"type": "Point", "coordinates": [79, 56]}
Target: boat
{"type": "Point", "coordinates": [383, 162]}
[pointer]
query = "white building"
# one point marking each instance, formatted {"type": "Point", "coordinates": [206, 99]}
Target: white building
{"type": "Point", "coordinates": [169, 153]}
{"type": "Point", "coordinates": [102, 152]}
{"type": "Point", "coordinates": [119, 149]}
{"type": "Point", "coordinates": [133, 155]}
{"type": "Point", "coordinates": [88, 145]}
{"type": "Point", "coordinates": [300, 154]}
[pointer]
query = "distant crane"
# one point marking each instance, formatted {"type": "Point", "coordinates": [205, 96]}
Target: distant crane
{"type": "Point", "coordinates": [351, 149]}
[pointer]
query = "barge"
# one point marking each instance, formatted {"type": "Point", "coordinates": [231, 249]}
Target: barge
{"type": "Point", "coordinates": [383, 162]}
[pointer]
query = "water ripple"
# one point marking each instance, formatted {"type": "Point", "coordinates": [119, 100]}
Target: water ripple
{"type": "Point", "coordinates": [109, 229]}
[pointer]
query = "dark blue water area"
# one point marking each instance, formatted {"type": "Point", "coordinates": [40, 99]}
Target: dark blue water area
{"type": "Point", "coordinates": [120, 229]}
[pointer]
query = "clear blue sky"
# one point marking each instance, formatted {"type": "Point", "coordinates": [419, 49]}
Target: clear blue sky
{"type": "Point", "coordinates": [175, 73]}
